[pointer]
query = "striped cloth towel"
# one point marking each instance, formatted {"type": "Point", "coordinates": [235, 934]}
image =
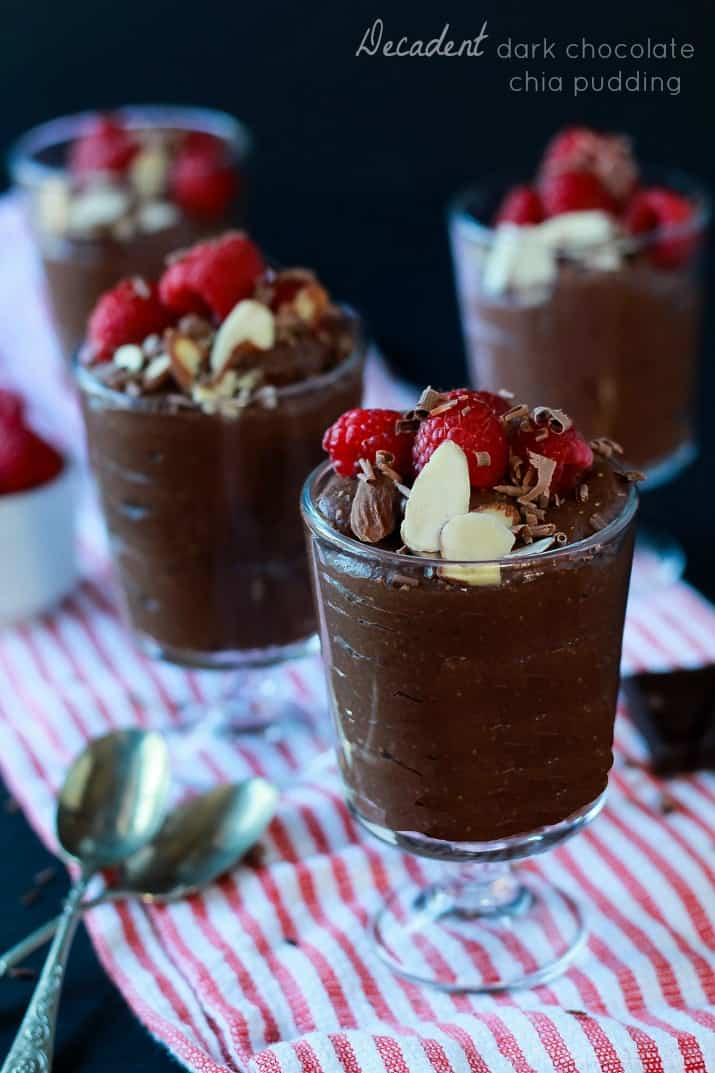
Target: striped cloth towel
{"type": "Point", "coordinates": [272, 970]}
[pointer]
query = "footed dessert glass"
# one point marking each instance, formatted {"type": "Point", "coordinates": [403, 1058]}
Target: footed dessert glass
{"type": "Point", "coordinates": [475, 727]}
{"type": "Point", "coordinates": [78, 267]}
{"type": "Point", "coordinates": [614, 336]}
{"type": "Point", "coordinates": [205, 533]}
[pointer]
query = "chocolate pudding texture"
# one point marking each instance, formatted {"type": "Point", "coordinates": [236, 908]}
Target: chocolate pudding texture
{"type": "Point", "coordinates": [201, 512]}
{"type": "Point", "coordinates": [472, 714]}
{"type": "Point", "coordinates": [617, 348]}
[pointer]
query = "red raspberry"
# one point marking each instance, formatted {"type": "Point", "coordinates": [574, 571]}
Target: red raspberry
{"type": "Point", "coordinates": [202, 181]}
{"type": "Point", "coordinates": [474, 426]}
{"type": "Point", "coordinates": [12, 411]}
{"type": "Point", "coordinates": [575, 191]}
{"type": "Point", "coordinates": [212, 276]}
{"type": "Point", "coordinates": [127, 314]}
{"type": "Point", "coordinates": [26, 461]}
{"type": "Point", "coordinates": [608, 156]}
{"type": "Point", "coordinates": [521, 205]}
{"type": "Point", "coordinates": [361, 434]}
{"type": "Point", "coordinates": [568, 449]}
{"type": "Point", "coordinates": [105, 146]}
{"type": "Point", "coordinates": [496, 403]}
{"type": "Point", "coordinates": [657, 208]}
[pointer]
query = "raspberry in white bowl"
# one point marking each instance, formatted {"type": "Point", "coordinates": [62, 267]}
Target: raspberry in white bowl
{"type": "Point", "coordinates": [37, 518]}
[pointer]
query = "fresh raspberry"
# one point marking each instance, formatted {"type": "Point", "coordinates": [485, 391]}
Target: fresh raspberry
{"type": "Point", "coordinates": [202, 181]}
{"type": "Point", "coordinates": [26, 461]}
{"type": "Point", "coordinates": [658, 209]}
{"type": "Point", "coordinates": [12, 411]}
{"type": "Point", "coordinates": [212, 276]}
{"type": "Point", "coordinates": [575, 191]}
{"type": "Point", "coordinates": [496, 403]}
{"type": "Point", "coordinates": [521, 205]}
{"type": "Point", "coordinates": [361, 434]}
{"type": "Point", "coordinates": [608, 156]}
{"type": "Point", "coordinates": [568, 449]}
{"type": "Point", "coordinates": [105, 146]}
{"type": "Point", "coordinates": [127, 314]}
{"type": "Point", "coordinates": [474, 426]}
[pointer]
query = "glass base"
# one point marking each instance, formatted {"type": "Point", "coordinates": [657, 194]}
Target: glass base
{"type": "Point", "coordinates": [495, 930]}
{"type": "Point", "coordinates": [484, 926]}
{"type": "Point", "coordinates": [669, 468]}
{"type": "Point", "coordinates": [658, 561]}
{"type": "Point", "coordinates": [237, 659]}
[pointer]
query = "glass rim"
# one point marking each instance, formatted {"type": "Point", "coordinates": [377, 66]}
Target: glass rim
{"type": "Point", "coordinates": [91, 385]}
{"type": "Point", "coordinates": [25, 169]}
{"type": "Point", "coordinates": [318, 526]}
{"type": "Point", "coordinates": [458, 210]}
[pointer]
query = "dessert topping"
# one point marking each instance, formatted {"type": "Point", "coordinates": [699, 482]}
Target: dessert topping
{"type": "Point", "coordinates": [567, 450]}
{"type": "Point", "coordinates": [251, 325]}
{"type": "Point", "coordinates": [375, 510]}
{"type": "Point", "coordinates": [106, 146]}
{"type": "Point", "coordinates": [128, 313]}
{"type": "Point", "coordinates": [361, 434]}
{"type": "Point", "coordinates": [202, 179]}
{"type": "Point", "coordinates": [575, 191]}
{"type": "Point", "coordinates": [212, 276]}
{"type": "Point", "coordinates": [441, 491]}
{"type": "Point", "coordinates": [186, 357]}
{"type": "Point", "coordinates": [468, 421]}
{"type": "Point", "coordinates": [608, 156]}
{"type": "Point", "coordinates": [658, 209]}
{"type": "Point", "coordinates": [474, 538]}
{"type": "Point", "coordinates": [521, 205]}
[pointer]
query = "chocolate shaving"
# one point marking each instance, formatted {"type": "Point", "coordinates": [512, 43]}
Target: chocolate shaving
{"type": "Point", "coordinates": [516, 413]}
{"type": "Point", "coordinates": [597, 522]}
{"type": "Point", "coordinates": [561, 538]}
{"type": "Point", "coordinates": [368, 473]}
{"type": "Point", "coordinates": [605, 447]}
{"type": "Point", "coordinates": [407, 424]}
{"type": "Point", "coordinates": [21, 972]}
{"type": "Point", "coordinates": [444, 407]}
{"type": "Point", "coordinates": [512, 490]}
{"type": "Point", "coordinates": [582, 493]}
{"type": "Point", "coordinates": [405, 581]}
{"type": "Point", "coordinates": [548, 529]}
{"type": "Point", "coordinates": [558, 422]}
{"type": "Point", "coordinates": [545, 469]}
{"type": "Point", "coordinates": [631, 476]}
{"type": "Point", "coordinates": [542, 434]}
{"type": "Point", "coordinates": [426, 403]}
{"type": "Point", "coordinates": [483, 459]}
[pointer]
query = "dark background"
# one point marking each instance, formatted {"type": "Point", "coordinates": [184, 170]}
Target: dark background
{"type": "Point", "coordinates": [356, 159]}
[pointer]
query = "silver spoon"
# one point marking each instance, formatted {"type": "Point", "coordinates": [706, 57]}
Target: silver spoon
{"type": "Point", "coordinates": [199, 841]}
{"type": "Point", "coordinates": [111, 804]}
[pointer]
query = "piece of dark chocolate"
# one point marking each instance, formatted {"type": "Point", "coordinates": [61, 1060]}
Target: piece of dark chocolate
{"type": "Point", "coordinates": [675, 713]}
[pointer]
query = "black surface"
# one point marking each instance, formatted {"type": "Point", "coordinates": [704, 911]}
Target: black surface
{"type": "Point", "coordinates": [97, 1030]}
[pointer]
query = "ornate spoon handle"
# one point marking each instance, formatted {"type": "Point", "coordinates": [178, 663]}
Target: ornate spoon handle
{"type": "Point", "coordinates": [34, 1043]}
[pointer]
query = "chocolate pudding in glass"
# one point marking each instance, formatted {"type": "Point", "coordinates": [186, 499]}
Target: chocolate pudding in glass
{"type": "Point", "coordinates": [205, 400]}
{"type": "Point", "coordinates": [585, 286]}
{"type": "Point", "coordinates": [471, 634]}
{"type": "Point", "coordinates": [109, 196]}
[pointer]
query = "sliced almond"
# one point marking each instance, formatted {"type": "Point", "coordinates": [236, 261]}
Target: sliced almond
{"type": "Point", "coordinates": [129, 357]}
{"type": "Point", "coordinates": [506, 513]}
{"type": "Point", "coordinates": [157, 372]}
{"type": "Point", "coordinates": [53, 201]}
{"type": "Point", "coordinates": [440, 491]}
{"type": "Point", "coordinates": [311, 302]}
{"type": "Point", "coordinates": [475, 537]}
{"type": "Point", "coordinates": [96, 208]}
{"type": "Point", "coordinates": [186, 358]}
{"type": "Point", "coordinates": [535, 548]}
{"type": "Point", "coordinates": [149, 172]}
{"type": "Point", "coordinates": [248, 322]}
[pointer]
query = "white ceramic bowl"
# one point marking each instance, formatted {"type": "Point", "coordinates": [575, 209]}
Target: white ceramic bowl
{"type": "Point", "coordinates": [38, 564]}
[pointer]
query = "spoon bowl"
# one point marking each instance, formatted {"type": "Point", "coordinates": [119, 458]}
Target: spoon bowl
{"type": "Point", "coordinates": [200, 840]}
{"type": "Point", "coordinates": [113, 798]}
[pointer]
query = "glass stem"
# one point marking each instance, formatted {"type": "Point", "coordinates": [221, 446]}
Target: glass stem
{"type": "Point", "coordinates": [484, 889]}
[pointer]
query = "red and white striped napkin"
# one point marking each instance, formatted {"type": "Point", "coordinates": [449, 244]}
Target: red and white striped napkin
{"type": "Point", "coordinates": [272, 969]}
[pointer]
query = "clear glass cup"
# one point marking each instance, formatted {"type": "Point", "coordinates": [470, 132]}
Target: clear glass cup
{"type": "Point", "coordinates": [474, 727]}
{"type": "Point", "coordinates": [78, 269]}
{"type": "Point", "coordinates": [206, 537]}
{"type": "Point", "coordinates": [617, 346]}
